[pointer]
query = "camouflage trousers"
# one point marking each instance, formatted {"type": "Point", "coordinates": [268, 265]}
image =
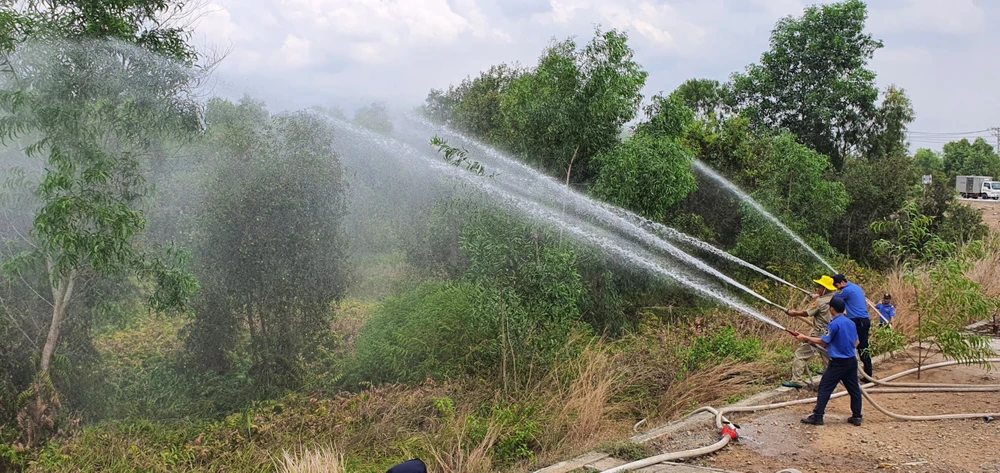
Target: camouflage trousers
{"type": "Point", "coordinates": [803, 354]}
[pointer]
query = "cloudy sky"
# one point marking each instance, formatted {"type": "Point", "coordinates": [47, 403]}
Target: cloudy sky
{"type": "Point", "coordinates": [297, 53]}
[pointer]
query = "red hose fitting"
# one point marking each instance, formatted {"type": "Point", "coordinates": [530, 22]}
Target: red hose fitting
{"type": "Point", "coordinates": [730, 431]}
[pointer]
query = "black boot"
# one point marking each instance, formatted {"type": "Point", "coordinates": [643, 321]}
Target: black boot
{"type": "Point", "coordinates": [813, 420]}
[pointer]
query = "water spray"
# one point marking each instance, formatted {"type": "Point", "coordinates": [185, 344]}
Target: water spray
{"type": "Point", "coordinates": [531, 179]}
{"type": "Point", "coordinates": [519, 195]}
{"type": "Point", "coordinates": [753, 203]}
{"type": "Point", "coordinates": [538, 187]}
{"type": "Point", "coordinates": [677, 235]}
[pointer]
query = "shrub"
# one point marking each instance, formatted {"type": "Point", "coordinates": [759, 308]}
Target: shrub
{"type": "Point", "coordinates": [725, 344]}
{"type": "Point", "coordinates": [529, 293]}
{"type": "Point", "coordinates": [270, 244]}
{"type": "Point", "coordinates": [646, 174]}
{"type": "Point", "coordinates": [962, 224]}
{"type": "Point", "coordinates": [886, 340]}
{"type": "Point", "coordinates": [946, 301]}
{"type": "Point", "coordinates": [423, 333]}
{"type": "Point", "coordinates": [518, 432]}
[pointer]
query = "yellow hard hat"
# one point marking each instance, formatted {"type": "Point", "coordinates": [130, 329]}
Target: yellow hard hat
{"type": "Point", "coordinates": [826, 281]}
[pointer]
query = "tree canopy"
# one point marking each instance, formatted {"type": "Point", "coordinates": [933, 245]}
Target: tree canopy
{"type": "Point", "coordinates": [91, 109]}
{"type": "Point", "coordinates": [558, 115]}
{"type": "Point", "coordinates": [978, 158]}
{"type": "Point", "coordinates": [814, 81]}
{"type": "Point", "coordinates": [270, 246]}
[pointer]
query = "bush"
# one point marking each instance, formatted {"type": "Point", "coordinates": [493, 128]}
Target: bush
{"type": "Point", "coordinates": [725, 344]}
{"type": "Point", "coordinates": [529, 292]}
{"type": "Point", "coordinates": [886, 340]}
{"type": "Point", "coordinates": [270, 244]}
{"type": "Point", "coordinates": [518, 432]}
{"type": "Point", "coordinates": [764, 244]}
{"type": "Point", "coordinates": [962, 224]}
{"type": "Point", "coordinates": [426, 332]}
{"type": "Point", "coordinates": [947, 301]}
{"type": "Point", "coordinates": [646, 174]}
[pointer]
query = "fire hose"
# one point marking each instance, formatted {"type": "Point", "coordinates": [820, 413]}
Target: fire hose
{"type": "Point", "coordinates": [728, 429]}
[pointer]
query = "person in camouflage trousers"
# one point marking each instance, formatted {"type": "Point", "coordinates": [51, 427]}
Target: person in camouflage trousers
{"type": "Point", "coordinates": [819, 310]}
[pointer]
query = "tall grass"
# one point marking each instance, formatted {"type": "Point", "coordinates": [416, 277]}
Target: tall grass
{"type": "Point", "coordinates": [322, 460]}
{"type": "Point", "coordinates": [985, 271]}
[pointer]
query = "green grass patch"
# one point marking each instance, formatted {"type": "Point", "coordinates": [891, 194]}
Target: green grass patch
{"type": "Point", "coordinates": [628, 450]}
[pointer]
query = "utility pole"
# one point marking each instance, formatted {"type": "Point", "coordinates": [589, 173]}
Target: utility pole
{"type": "Point", "coordinates": [995, 131]}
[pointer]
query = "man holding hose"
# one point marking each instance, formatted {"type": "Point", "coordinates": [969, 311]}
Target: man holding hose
{"type": "Point", "coordinates": [841, 344]}
{"type": "Point", "coordinates": [819, 310]}
{"type": "Point", "coordinates": [857, 311]}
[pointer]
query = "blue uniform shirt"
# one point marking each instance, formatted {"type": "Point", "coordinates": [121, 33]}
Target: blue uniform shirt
{"type": "Point", "coordinates": [854, 297]}
{"type": "Point", "coordinates": [888, 311]}
{"type": "Point", "coordinates": [841, 338]}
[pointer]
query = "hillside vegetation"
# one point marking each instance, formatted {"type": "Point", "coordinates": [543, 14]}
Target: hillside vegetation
{"type": "Point", "coordinates": [198, 284]}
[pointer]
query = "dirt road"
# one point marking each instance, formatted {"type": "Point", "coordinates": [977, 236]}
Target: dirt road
{"type": "Point", "coordinates": [990, 208]}
{"type": "Point", "coordinates": [775, 440]}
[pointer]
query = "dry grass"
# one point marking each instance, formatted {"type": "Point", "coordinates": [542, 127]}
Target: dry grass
{"type": "Point", "coordinates": [657, 389]}
{"type": "Point", "coordinates": [453, 454]}
{"type": "Point", "coordinates": [985, 272]}
{"type": "Point", "coordinates": [713, 385]}
{"type": "Point", "coordinates": [322, 460]}
{"type": "Point", "coordinates": [904, 297]}
{"type": "Point", "coordinates": [580, 408]}
{"type": "Point", "coordinates": [594, 394]}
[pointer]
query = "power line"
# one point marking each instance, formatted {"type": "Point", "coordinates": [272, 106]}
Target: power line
{"type": "Point", "coordinates": [948, 140]}
{"type": "Point", "coordinates": [948, 133]}
{"type": "Point", "coordinates": [945, 137]}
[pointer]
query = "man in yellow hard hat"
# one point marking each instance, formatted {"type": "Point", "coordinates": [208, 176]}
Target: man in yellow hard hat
{"type": "Point", "coordinates": [819, 310]}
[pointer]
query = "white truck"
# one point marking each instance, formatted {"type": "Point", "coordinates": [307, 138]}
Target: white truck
{"type": "Point", "coordinates": [976, 187]}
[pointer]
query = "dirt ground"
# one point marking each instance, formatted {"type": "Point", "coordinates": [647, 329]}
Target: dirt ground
{"type": "Point", "coordinates": [774, 440]}
{"type": "Point", "coordinates": [990, 208]}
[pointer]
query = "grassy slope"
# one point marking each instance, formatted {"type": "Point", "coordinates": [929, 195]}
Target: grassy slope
{"type": "Point", "coordinates": [456, 425]}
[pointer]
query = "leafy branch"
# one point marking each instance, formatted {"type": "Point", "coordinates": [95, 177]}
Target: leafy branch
{"type": "Point", "coordinates": [458, 157]}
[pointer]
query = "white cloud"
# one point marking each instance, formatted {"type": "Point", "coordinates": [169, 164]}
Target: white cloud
{"type": "Point", "coordinates": [216, 25]}
{"type": "Point", "coordinates": [367, 53]}
{"type": "Point", "coordinates": [354, 50]}
{"type": "Point", "coordinates": [779, 8]}
{"type": "Point", "coordinates": [295, 52]}
{"type": "Point", "coordinates": [659, 23]}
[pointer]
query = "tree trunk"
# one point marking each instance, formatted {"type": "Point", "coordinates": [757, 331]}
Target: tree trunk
{"type": "Point", "coordinates": [61, 294]}
{"type": "Point", "coordinates": [920, 340]}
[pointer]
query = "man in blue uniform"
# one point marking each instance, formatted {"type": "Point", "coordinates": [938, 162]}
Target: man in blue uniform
{"type": "Point", "coordinates": [886, 310]}
{"type": "Point", "coordinates": [841, 343]}
{"type": "Point", "coordinates": [857, 311]}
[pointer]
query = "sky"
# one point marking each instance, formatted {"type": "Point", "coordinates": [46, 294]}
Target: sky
{"type": "Point", "coordinates": [299, 53]}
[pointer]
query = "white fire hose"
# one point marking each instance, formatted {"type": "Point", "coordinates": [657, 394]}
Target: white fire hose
{"type": "Point", "coordinates": [729, 433]}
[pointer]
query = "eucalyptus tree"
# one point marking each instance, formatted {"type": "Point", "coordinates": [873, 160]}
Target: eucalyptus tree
{"type": "Point", "coordinates": [87, 88]}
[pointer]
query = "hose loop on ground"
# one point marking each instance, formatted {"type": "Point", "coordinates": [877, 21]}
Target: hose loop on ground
{"type": "Point", "coordinates": [721, 421]}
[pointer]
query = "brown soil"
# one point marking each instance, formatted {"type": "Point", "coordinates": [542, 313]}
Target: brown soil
{"type": "Point", "coordinates": [774, 440]}
{"type": "Point", "coordinates": [990, 208]}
